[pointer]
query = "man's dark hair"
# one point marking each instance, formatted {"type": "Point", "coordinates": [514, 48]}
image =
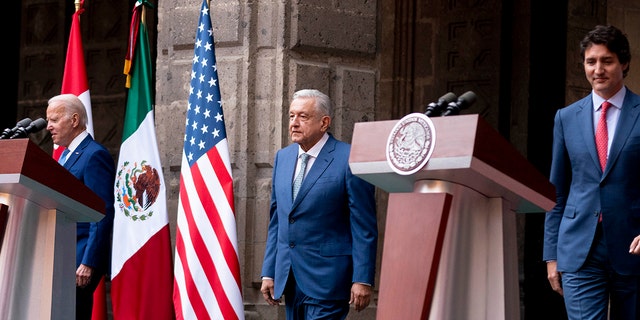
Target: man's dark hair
{"type": "Point", "coordinates": [611, 37]}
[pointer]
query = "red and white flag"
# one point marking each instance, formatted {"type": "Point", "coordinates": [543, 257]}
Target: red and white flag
{"type": "Point", "coordinates": [75, 81]}
{"type": "Point", "coordinates": [207, 270]}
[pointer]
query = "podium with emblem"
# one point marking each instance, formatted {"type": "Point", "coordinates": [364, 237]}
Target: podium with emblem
{"type": "Point", "coordinates": [450, 238]}
{"type": "Point", "coordinates": [40, 203]}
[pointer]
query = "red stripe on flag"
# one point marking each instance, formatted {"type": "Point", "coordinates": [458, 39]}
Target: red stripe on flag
{"type": "Point", "coordinates": [226, 182]}
{"type": "Point", "coordinates": [195, 300]}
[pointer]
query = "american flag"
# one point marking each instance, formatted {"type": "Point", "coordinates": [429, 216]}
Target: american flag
{"type": "Point", "coordinates": [207, 269]}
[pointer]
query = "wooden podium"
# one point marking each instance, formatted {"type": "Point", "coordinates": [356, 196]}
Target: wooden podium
{"type": "Point", "coordinates": [40, 203]}
{"type": "Point", "coordinates": [450, 243]}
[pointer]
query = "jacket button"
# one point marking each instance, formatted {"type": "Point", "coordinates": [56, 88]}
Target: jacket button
{"type": "Point", "coordinates": [292, 245]}
{"type": "Point", "coordinates": [292, 220]}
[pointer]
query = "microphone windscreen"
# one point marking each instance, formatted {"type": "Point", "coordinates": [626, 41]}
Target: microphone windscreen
{"type": "Point", "coordinates": [37, 125]}
{"type": "Point", "coordinates": [468, 97]}
{"type": "Point", "coordinates": [448, 97]}
{"type": "Point", "coordinates": [23, 123]}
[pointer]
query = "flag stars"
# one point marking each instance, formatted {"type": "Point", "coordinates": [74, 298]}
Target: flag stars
{"type": "Point", "coordinates": [209, 97]}
{"type": "Point", "coordinates": [204, 62]}
{"type": "Point", "coordinates": [190, 156]}
{"type": "Point", "coordinates": [201, 27]}
{"type": "Point", "coordinates": [207, 46]}
{"type": "Point", "coordinates": [218, 117]}
{"type": "Point", "coordinates": [212, 82]}
{"type": "Point", "coordinates": [196, 58]}
{"type": "Point", "coordinates": [216, 133]}
{"type": "Point", "coordinates": [204, 129]}
{"type": "Point", "coordinates": [192, 141]}
{"type": "Point", "coordinates": [205, 11]}
{"type": "Point", "coordinates": [198, 43]}
{"type": "Point", "coordinates": [207, 113]}
{"type": "Point", "coordinates": [201, 145]}
{"type": "Point", "coordinates": [201, 78]}
{"type": "Point", "coordinates": [194, 125]}
{"type": "Point", "coordinates": [199, 94]}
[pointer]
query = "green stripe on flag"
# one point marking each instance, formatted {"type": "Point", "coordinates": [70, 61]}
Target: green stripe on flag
{"type": "Point", "coordinates": [140, 96]}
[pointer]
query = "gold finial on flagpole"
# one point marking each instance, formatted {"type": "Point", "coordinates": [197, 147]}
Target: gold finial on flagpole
{"type": "Point", "coordinates": [143, 18]}
{"type": "Point", "coordinates": [77, 3]}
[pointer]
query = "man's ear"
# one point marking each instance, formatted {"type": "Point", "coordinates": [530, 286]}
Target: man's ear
{"type": "Point", "coordinates": [75, 120]}
{"type": "Point", "coordinates": [326, 123]}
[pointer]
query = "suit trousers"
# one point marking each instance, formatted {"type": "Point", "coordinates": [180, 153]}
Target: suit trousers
{"type": "Point", "coordinates": [84, 298]}
{"type": "Point", "coordinates": [589, 292]}
{"type": "Point", "coordinates": [299, 306]}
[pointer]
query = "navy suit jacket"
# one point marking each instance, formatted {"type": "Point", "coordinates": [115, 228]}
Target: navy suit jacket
{"type": "Point", "coordinates": [583, 190]}
{"type": "Point", "coordinates": [328, 236]}
{"type": "Point", "coordinates": [92, 164]}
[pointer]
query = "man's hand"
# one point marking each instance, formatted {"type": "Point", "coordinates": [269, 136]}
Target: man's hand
{"type": "Point", "coordinates": [554, 277]}
{"type": "Point", "coordinates": [267, 292]}
{"type": "Point", "coordinates": [83, 275]}
{"type": "Point", "coordinates": [360, 295]}
{"type": "Point", "coordinates": [634, 248]}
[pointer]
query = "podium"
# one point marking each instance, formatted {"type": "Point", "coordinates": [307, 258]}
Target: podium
{"type": "Point", "coordinates": [40, 203]}
{"type": "Point", "coordinates": [450, 242]}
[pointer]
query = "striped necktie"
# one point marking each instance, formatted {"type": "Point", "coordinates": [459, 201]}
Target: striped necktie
{"type": "Point", "coordinates": [297, 182]}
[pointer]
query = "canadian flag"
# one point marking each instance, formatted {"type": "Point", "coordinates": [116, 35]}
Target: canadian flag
{"type": "Point", "coordinates": [75, 81]}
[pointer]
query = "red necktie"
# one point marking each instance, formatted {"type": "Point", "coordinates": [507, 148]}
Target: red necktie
{"type": "Point", "coordinates": [602, 137]}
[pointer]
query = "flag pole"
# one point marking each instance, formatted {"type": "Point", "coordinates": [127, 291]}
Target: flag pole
{"type": "Point", "coordinates": [78, 3]}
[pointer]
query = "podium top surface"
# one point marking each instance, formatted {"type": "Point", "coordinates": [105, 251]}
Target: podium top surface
{"type": "Point", "coordinates": [466, 151]}
{"type": "Point", "coordinates": [29, 172]}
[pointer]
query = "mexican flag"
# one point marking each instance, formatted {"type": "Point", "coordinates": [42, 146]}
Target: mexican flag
{"type": "Point", "coordinates": [142, 269]}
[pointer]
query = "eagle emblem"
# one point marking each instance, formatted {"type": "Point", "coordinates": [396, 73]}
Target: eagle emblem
{"type": "Point", "coordinates": [136, 189]}
{"type": "Point", "coordinates": [410, 144]}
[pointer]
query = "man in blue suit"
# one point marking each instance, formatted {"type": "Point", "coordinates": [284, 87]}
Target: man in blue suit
{"type": "Point", "coordinates": [321, 244]}
{"type": "Point", "coordinates": [92, 164]}
{"type": "Point", "coordinates": [592, 235]}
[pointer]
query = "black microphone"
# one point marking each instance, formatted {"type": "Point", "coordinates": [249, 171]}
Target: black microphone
{"type": "Point", "coordinates": [435, 108]}
{"type": "Point", "coordinates": [9, 132]}
{"type": "Point", "coordinates": [464, 101]}
{"type": "Point", "coordinates": [34, 126]}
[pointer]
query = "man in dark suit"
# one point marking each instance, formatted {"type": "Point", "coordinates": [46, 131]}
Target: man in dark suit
{"type": "Point", "coordinates": [592, 235]}
{"type": "Point", "coordinates": [92, 164]}
{"type": "Point", "coordinates": [321, 244]}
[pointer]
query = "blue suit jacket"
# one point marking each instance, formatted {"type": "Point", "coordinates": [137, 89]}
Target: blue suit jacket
{"type": "Point", "coordinates": [583, 190]}
{"type": "Point", "coordinates": [328, 236]}
{"type": "Point", "coordinates": [92, 164]}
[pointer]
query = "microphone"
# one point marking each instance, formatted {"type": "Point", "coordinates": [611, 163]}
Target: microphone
{"type": "Point", "coordinates": [9, 132]}
{"type": "Point", "coordinates": [464, 101]}
{"type": "Point", "coordinates": [34, 126]}
{"type": "Point", "coordinates": [435, 108]}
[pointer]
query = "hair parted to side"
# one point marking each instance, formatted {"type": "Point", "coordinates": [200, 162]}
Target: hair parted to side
{"type": "Point", "coordinates": [72, 104]}
{"type": "Point", "coordinates": [611, 37]}
{"type": "Point", "coordinates": [323, 102]}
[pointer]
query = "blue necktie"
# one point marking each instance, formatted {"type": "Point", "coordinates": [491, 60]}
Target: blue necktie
{"type": "Point", "coordinates": [297, 182]}
{"type": "Point", "coordinates": [63, 157]}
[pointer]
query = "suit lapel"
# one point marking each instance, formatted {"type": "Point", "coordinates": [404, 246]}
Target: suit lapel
{"type": "Point", "coordinates": [75, 155]}
{"type": "Point", "coordinates": [585, 114]}
{"type": "Point", "coordinates": [626, 122]}
{"type": "Point", "coordinates": [325, 157]}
